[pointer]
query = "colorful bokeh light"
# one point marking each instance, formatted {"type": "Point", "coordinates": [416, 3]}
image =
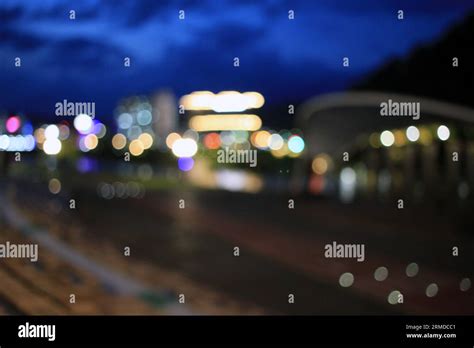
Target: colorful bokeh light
{"type": "Point", "coordinates": [13, 124]}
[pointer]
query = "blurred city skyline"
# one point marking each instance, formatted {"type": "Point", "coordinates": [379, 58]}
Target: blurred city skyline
{"type": "Point", "coordinates": [287, 61]}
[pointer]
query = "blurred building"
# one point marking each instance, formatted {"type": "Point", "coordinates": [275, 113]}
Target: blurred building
{"type": "Point", "coordinates": [354, 152]}
{"type": "Point", "coordinates": [432, 156]}
{"type": "Point", "coordinates": [165, 116]}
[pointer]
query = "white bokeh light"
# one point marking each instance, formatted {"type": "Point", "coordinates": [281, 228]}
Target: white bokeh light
{"type": "Point", "coordinates": [387, 138]}
{"type": "Point", "coordinates": [443, 133]}
{"type": "Point", "coordinates": [184, 147]}
{"type": "Point", "coordinates": [413, 134]}
{"type": "Point", "coordinates": [83, 123]}
{"type": "Point", "coordinates": [275, 142]}
{"type": "Point", "coordinates": [51, 132]}
{"type": "Point", "coordinates": [52, 146]}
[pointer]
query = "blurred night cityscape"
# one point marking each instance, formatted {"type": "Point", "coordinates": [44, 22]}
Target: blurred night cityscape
{"type": "Point", "coordinates": [184, 157]}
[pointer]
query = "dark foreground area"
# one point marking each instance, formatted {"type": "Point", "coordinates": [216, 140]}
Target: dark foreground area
{"type": "Point", "coordinates": [159, 252]}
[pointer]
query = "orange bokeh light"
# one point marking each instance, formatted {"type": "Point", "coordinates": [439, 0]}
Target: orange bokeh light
{"type": "Point", "coordinates": [212, 141]}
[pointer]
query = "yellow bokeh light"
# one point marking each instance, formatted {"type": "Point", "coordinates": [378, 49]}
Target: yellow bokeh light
{"type": "Point", "coordinates": [261, 139]}
{"type": "Point", "coordinates": [426, 138]}
{"type": "Point", "coordinates": [320, 164]}
{"type": "Point", "coordinates": [146, 140]}
{"type": "Point", "coordinates": [400, 138]}
{"type": "Point", "coordinates": [255, 99]}
{"type": "Point", "coordinates": [225, 101]}
{"type": "Point", "coordinates": [54, 186]}
{"type": "Point", "coordinates": [39, 135]}
{"type": "Point", "coordinates": [171, 138]}
{"type": "Point", "coordinates": [136, 147]}
{"type": "Point", "coordinates": [91, 141]}
{"type": "Point", "coordinates": [281, 152]}
{"type": "Point", "coordinates": [207, 123]}
{"type": "Point", "coordinates": [119, 141]}
{"type": "Point", "coordinates": [275, 142]}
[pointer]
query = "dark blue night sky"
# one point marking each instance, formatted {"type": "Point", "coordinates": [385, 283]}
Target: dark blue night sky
{"type": "Point", "coordinates": [82, 60]}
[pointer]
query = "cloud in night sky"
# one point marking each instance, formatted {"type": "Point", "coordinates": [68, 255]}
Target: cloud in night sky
{"type": "Point", "coordinates": [283, 59]}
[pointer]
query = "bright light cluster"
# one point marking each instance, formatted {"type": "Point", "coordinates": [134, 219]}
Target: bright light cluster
{"type": "Point", "coordinates": [225, 101]}
{"type": "Point", "coordinates": [206, 123]}
{"type": "Point", "coordinates": [83, 123]}
{"type": "Point", "coordinates": [423, 134]}
{"type": "Point", "coordinates": [134, 121]}
{"type": "Point", "coordinates": [279, 144]}
{"type": "Point", "coordinates": [184, 147]}
{"type": "Point", "coordinates": [52, 145]}
{"type": "Point", "coordinates": [14, 143]}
